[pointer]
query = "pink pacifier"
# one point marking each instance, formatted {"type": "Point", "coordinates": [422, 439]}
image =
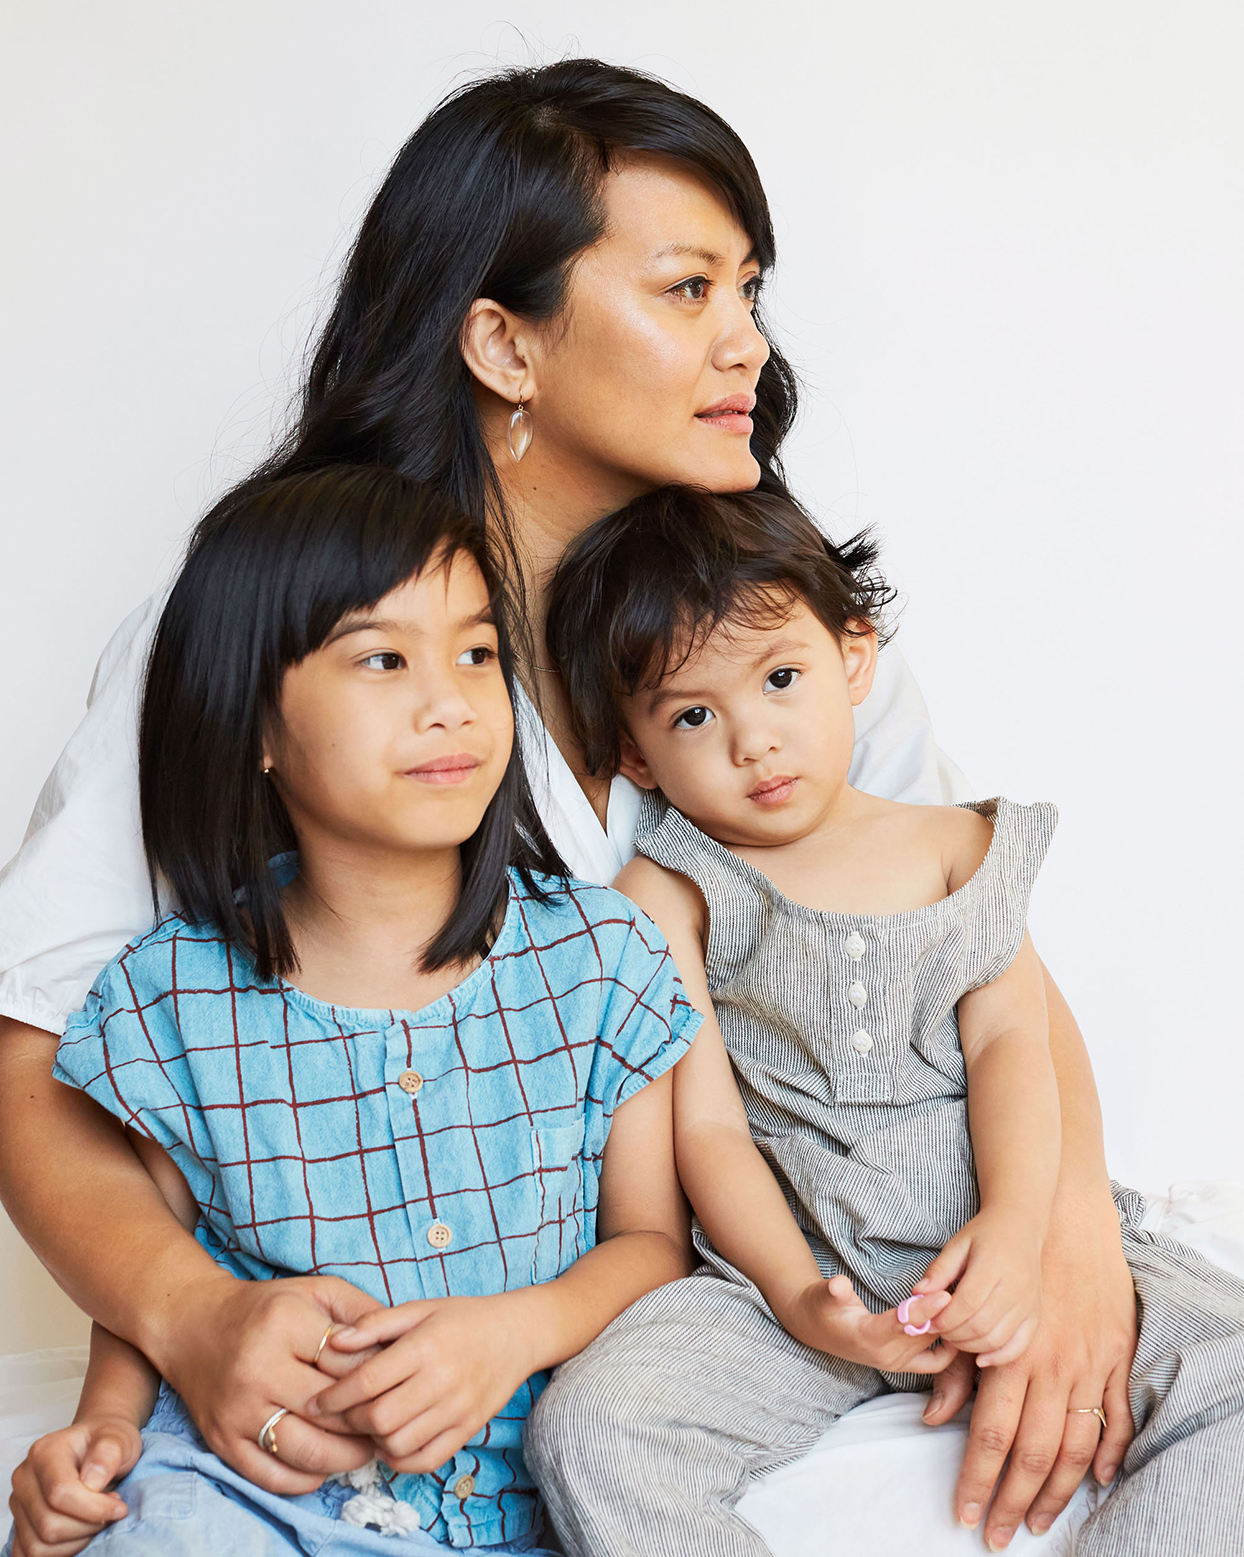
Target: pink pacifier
{"type": "Point", "coordinates": [904, 1318]}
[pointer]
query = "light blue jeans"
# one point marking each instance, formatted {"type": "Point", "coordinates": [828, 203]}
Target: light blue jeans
{"type": "Point", "coordinates": [185, 1502]}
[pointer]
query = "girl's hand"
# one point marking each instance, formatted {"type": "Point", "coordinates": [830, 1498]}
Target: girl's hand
{"type": "Point", "coordinates": [830, 1317]}
{"type": "Point", "coordinates": [58, 1499]}
{"type": "Point", "coordinates": [994, 1264]}
{"type": "Point", "coordinates": [1081, 1356]}
{"type": "Point", "coordinates": [448, 1365]}
{"type": "Point", "coordinates": [244, 1348]}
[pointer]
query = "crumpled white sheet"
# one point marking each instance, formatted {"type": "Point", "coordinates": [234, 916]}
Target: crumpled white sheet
{"type": "Point", "coordinates": [879, 1482]}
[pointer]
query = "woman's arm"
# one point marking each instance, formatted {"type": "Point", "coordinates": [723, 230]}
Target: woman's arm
{"type": "Point", "coordinates": [82, 1200]}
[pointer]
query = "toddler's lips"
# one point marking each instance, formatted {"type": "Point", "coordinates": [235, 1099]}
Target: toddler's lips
{"type": "Point", "coordinates": [774, 791]}
{"type": "Point", "coordinates": [445, 770]}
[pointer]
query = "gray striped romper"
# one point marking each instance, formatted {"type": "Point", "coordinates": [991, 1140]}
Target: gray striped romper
{"type": "Point", "coordinates": [844, 1037]}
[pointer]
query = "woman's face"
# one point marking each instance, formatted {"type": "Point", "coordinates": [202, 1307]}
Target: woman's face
{"type": "Point", "coordinates": [650, 375]}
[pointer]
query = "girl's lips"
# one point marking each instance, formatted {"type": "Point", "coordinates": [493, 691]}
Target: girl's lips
{"type": "Point", "coordinates": [773, 791]}
{"type": "Point", "coordinates": [445, 770]}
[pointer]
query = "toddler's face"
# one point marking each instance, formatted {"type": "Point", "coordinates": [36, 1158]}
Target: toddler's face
{"type": "Point", "coordinates": [751, 739]}
{"type": "Point", "coordinates": [396, 733]}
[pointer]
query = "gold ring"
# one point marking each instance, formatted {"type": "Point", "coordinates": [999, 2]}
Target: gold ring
{"type": "Point", "coordinates": [323, 1343]}
{"type": "Point", "coordinates": [266, 1437]}
{"type": "Point", "coordinates": [1089, 1411]}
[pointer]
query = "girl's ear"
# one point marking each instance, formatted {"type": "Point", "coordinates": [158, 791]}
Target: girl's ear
{"type": "Point", "coordinates": [859, 658]}
{"type": "Point", "coordinates": [632, 764]}
{"type": "Point", "coordinates": [495, 346]}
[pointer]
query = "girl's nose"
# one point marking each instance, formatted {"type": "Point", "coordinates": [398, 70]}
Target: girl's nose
{"type": "Point", "coordinates": [441, 703]}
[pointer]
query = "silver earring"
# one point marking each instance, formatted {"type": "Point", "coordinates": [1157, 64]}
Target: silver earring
{"type": "Point", "coordinates": [520, 431]}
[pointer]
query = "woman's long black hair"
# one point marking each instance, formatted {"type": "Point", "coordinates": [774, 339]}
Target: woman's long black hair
{"type": "Point", "coordinates": [494, 195]}
{"type": "Point", "coordinates": [263, 586]}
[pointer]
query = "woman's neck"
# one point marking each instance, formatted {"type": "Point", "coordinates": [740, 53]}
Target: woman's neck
{"type": "Point", "coordinates": [361, 919]}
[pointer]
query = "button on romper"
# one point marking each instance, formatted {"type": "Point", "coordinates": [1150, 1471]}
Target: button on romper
{"type": "Point", "coordinates": [844, 1037]}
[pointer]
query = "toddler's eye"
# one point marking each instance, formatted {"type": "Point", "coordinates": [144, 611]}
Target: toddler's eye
{"type": "Point", "coordinates": [693, 718]}
{"type": "Point", "coordinates": [780, 680]}
{"type": "Point", "coordinates": [480, 654]}
{"type": "Point", "coordinates": [383, 659]}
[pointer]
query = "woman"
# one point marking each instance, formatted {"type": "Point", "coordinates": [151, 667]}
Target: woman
{"type": "Point", "coordinates": [550, 308]}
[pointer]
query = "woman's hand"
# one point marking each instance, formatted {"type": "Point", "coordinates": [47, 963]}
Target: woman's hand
{"type": "Point", "coordinates": [58, 1499]}
{"type": "Point", "coordinates": [1080, 1356]}
{"type": "Point", "coordinates": [446, 1367]}
{"type": "Point", "coordinates": [243, 1349]}
{"type": "Point", "coordinates": [828, 1316]}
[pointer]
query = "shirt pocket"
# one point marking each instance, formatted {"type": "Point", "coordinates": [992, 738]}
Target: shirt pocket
{"type": "Point", "coordinates": [557, 1166]}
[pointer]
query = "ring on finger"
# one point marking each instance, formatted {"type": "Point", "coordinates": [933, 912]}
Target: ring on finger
{"type": "Point", "coordinates": [266, 1436]}
{"type": "Point", "coordinates": [1090, 1411]}
{"type": "Point", "coordinates": [323, 1343]}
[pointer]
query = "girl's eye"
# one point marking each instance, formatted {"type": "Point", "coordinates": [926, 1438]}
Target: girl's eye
{"type": "Point", "coordinates": [694, 289]}
{"type": "Point", "coordinates": [780, 680]}
{"type": "Point", "coordinates": [694, 718]}
{"type": "Point", "coordinates": [752, 288]}
{"type": "Point", "coordinates": [480, 654]}
{"type": "Point", "coordinates": [383, 659]}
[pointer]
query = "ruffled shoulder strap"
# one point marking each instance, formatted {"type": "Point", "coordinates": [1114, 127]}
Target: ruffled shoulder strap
{"type": "Point", "coordinates": [994, 903]}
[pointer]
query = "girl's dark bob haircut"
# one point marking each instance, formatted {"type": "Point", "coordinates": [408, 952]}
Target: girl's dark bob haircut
{"type": "Point", "coordinates": [636, 593]}
{"type": "Point", "coordinates": [266, 579]}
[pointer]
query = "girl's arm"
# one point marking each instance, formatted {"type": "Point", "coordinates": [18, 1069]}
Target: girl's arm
{"type": "Point", "coordinates": [451, 1364]}
{"type": "Point", "coordinates": [59, 1500]}
{"type": "Point", "coordinates": [1013, 1111]}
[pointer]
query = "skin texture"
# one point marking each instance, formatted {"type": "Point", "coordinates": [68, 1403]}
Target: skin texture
{"type": "Point", "coordinates": [626, 426]}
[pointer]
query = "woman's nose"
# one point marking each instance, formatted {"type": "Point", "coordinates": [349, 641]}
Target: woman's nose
{"type": "Point", "coordinates": [740, 343]}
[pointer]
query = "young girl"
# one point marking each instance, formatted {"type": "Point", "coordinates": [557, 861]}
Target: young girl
{"type": "Point", "coordinates": [884, 1011]}
{"type": "Point", "coordinates": [383, 1038]}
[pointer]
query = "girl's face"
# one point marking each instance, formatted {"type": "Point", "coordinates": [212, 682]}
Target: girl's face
{"type": "Point", "coordinates": [752, 738]}
{"type": "Point", "coordinates": [395, 734]}
{"type": "Point", "coordinates": [650, 375]}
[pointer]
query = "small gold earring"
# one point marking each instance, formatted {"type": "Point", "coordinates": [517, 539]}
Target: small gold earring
{"type": "Point", "coordinates": [520, 431]}
{"type": "Point", "coordinates": [267, 770]}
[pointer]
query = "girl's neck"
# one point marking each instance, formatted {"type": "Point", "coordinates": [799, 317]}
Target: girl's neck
{"type": "Point", "coordinates": [361, 919]}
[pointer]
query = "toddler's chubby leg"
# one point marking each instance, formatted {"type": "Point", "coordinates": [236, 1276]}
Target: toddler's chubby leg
{"type": "Point", "coordinates": [646, 1441]}
{"type": "Point", "coordinates": [1181, 1492]}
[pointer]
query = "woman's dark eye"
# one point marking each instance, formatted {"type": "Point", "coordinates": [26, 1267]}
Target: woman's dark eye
{"type": "Point", "coordinates": [752, 288]}
{"type": "Point", "coordinates": [780, 680]}
{"type": "Point", "coordinates": [383, 659]}
{"type": "Point", "coordinates": [694, 288]}
{"type": "Point", "coordinates": [693, 718]}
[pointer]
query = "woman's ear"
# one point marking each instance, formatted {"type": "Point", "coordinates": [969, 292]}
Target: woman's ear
{"type": "Point", "coordinates": [495, 348]}
{"type": "Point", "coordinates": [859, 658]}
{"type": "Point", "coordinates": [631, 763]}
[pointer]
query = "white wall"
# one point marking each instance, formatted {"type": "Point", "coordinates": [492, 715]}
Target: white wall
{"type": "Point", "coordinates": [1011, 271]}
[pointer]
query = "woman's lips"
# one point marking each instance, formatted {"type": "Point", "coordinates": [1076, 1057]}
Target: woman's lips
{"type": "Point", "coordinates": [731, 415]}
{"type": "Point", "coordinates": [773, 791]}
{"type": "Point", "coordinates": [445, 770]}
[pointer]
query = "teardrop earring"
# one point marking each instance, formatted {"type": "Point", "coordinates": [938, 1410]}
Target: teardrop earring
{"type": "Point", "coordinates": [519, 434]}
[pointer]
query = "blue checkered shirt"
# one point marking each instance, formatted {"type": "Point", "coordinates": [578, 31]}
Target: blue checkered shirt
{"type": "Point", "coordinates": [452, 1151]}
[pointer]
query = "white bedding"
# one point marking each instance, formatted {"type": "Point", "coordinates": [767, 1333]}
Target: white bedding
{"type": "Point", "coordinates": [879, 1482]}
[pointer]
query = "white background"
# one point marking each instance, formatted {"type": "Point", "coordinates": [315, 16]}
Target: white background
{"type": "Point", "coordinates": [1011, 269]}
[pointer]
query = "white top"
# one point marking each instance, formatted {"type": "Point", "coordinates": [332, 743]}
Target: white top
{"type": "Point", "coordinates": [77, 890]}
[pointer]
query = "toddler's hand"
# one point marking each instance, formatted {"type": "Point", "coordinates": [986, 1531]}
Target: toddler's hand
{"type": "Point", "coordinates": [994, 1265]}
{"type": "Point", "coordinates": [829, 1316]}
{"type": "Point", "coordinates": [446, 1367]}
{"type": "Point", "coordinates": [58, 1499]}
